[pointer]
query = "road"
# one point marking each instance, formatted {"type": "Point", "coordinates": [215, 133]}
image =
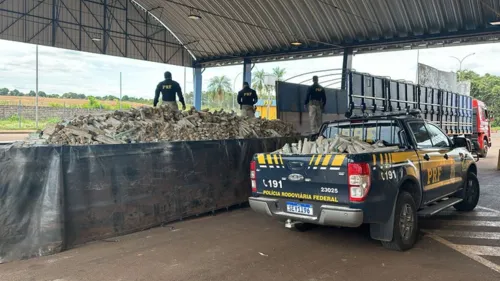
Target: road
{"type": "Point", "coordinates": [10, 136]}
{"type": "Point", "coordinates": [242, 245]}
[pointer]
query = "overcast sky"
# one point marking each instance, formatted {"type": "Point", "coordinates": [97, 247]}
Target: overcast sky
{"type": "Point", "coordinates": [63, 71]}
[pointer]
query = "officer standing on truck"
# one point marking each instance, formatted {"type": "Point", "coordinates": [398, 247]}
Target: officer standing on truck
{"type": "Point", "coordinates": [247, 98]}
{"type": "Point", "coordinates": [168, 88]}
{"type": "Point", "coordinates": [316, 99]}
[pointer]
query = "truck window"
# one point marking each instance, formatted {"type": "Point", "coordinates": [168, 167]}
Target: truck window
{"type": "Point", "coordinates": [438, 138]}
{"type": "Point", "coordinates": [370, 132]}
{"type": "Point", "coordinates": [421, 135]}
{"type": "Point", "coordinates": [483, 113]}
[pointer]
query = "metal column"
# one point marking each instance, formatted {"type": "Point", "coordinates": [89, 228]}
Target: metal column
{"type": "Point", "coordinates": [197, 79]}
{"type": "Point", "coordinates": [247, 71]}
{"type": "Point", "coordinates": [346, 67]}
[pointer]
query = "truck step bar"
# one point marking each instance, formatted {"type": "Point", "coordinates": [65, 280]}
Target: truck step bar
{"type": "Point", "coordinates": [436, 208]}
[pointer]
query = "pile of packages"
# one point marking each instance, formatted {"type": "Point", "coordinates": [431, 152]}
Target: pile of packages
{"type": "Point", "coordinates": [338, 144]}
{"type": "Point", "coordinates": [149, 124]}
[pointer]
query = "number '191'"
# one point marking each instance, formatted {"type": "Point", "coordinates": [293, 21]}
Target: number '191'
{"type": "Point", "coordinates": [273, 183]}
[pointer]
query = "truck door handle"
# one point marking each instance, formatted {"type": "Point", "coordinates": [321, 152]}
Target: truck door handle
{"type": "Point", "coordinates": [446, 156]}
{"type": "Point", "coordinates": [426, 157]}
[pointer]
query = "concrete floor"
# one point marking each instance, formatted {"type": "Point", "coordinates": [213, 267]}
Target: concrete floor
{"type": "Point", "coordinates": [242, 245]}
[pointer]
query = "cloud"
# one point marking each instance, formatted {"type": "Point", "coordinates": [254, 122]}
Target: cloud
{"type": "Point", "coordinates": [63, 70]}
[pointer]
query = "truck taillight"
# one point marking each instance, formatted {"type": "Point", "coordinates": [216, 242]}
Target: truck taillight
{"type": "Point", "coordinates": [253, 167]}
{"type": "Point", "coordinates": [358, 177]}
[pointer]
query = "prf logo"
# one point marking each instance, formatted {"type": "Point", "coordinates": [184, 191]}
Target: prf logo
{"type": "Point", "coordinates": [168, 87]}
{"type": "Point", "coordinates": [434, 175]}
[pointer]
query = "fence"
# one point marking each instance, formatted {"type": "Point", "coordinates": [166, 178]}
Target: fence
{"type": "Point", "coordinates": [23, 112]}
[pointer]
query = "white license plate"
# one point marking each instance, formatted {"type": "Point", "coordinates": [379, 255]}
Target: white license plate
{"type": "Point", "coordinates": [299, 208]}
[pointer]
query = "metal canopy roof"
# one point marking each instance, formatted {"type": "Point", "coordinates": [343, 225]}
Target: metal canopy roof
{"type": "Point", "coordinates": [230, 30]}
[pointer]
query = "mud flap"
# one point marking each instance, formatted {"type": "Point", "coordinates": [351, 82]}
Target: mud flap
{"type": "Point", "coordinates": [384, 231]}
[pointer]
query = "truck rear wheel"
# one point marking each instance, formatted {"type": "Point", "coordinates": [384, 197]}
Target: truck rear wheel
{"type": "Point", "coordinates": [405, 229]}
{"type": "Point", "coordinates": [470, 194]}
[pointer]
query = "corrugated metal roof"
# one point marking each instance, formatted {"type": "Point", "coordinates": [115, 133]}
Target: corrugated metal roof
{"type": "Point", "coordinates": [232, 29]}
{"type": "Point", "coordinates": [229, 30]}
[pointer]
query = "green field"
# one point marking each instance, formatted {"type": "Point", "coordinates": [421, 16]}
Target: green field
{"type": "Point", "coordinates": [12, 123]}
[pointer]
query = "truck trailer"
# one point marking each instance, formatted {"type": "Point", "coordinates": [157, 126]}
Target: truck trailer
{"type": "Point", "coordinates": [366, 94]}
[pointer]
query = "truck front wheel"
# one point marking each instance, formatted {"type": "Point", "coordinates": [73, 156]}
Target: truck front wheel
{"type": "Point", "coordinates": [484, 152]}
{"type": "Point", "coordinates": [405, 229]}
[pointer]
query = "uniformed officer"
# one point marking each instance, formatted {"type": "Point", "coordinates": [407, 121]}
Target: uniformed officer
{"type": "Point", "coordinates": [316, 99]}
{"type": "Point", "coordinates": [247, 98]}
{"type": "Point", "coordinates": [168, 88]}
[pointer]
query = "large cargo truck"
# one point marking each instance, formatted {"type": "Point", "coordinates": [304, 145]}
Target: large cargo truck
{"type": "Point", "coordinates": [368, 94]}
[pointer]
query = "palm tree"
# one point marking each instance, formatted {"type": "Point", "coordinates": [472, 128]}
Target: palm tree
{"type": "Point", "coordinates": [258, 81]}
{"type": "Point", "coordinates": [218, 86]}
{"type": "Point", "coordinates": [279, 73]}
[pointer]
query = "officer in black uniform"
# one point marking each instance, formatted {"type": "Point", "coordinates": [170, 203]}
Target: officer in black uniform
{"type": "Point", "coordinates": [168, 88]}
{"type": "Point", "coordinates": [247, 98]}
{"type": "Point", "coordinates": [316, 99]}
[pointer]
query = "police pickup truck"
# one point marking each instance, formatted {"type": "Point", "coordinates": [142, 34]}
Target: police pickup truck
{"type": "Point", "coordinates": [387, 190]}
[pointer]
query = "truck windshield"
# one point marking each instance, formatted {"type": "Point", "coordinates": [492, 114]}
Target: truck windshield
{"type": "Point", "coordinates": [370, 132]}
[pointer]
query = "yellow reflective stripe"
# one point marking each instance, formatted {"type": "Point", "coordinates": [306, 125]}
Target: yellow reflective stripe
{"type": "Point", "coordinates": [386, 158]}
{"type": "Point", "coordinates": [276, 159]}
{"type": "Point", "coordinates": [260, 159]}
{"type": "Point", "coordinates": [326, 160]}
{"type": "Point", "coordinates": [312, 159]}
{"type": "Point", "coordinates": [374, 159]}
{"type": "Point", "coordinates": [269, 159]}
{"type": "Point", "coordinates": [338, 160]}
{"type": "Point", "coordinates": [281, 160]}
{"type": "Point", "coordinates": [381, 159]}
{"type": "Point", "coordinates": [317, 160]}
{"type": "Point", "coordinates": [442, 183]}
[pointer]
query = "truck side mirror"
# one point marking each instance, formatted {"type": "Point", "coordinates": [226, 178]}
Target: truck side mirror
{"type": "Point", "coordinates": [459, 142]}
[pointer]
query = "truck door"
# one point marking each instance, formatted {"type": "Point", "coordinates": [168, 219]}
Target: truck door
{"type": "Point", "coordinates": [437, 163]}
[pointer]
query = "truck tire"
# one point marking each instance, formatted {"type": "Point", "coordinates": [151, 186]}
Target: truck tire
{"type": "Point", "coordinates": [405, 231]}
{"type": "Point", "coordinates": [470, 194]}
{"type": "Point", "coordinates": [482, 153]}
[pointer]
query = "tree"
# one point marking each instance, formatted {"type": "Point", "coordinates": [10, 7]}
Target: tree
{"type": "Point", "coordinates": [15, 93]}
{"type": "Point", "coordinates": [32, 93]}
{"type": "Point", "coordinates": [485, 88]}
{"type": "Point", "coordinates": [125, 98]}
{"type": "Point", "coordinates": [4, 92]}
{"type": "Point", "coordinates": [279, 73]}
{"type": "Point", "coordinates": [218, 87]}
{"type": "Point", "coordinates": [42, 94]}
{"type": "Point", "coordinates": [258, 81]}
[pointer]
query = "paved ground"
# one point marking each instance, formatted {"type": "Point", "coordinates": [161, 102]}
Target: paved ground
{"type": "Point", "coordinates": [241, 245]}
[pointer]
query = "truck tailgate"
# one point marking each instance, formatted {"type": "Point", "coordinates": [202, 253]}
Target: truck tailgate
{"type": "Point", "coordinates": [318, 177]}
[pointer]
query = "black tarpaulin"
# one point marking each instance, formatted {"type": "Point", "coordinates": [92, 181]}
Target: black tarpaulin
{"type": "Point", "coordinates": [58, 197]}
{"type": "Point", "coordinates": [31, 202]}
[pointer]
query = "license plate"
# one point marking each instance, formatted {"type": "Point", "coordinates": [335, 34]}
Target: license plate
{"type": "Point", "coordinates": [299, 208]}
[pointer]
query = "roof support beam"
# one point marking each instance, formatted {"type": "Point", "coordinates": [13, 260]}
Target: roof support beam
{"type": "Point", "coordinates": [197, 81]}
{"type": "Point", "coordinates": [346, 67]}
{"type": "Point", "coordinates": [247, 71]}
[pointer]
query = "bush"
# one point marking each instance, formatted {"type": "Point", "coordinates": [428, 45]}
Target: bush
{"type": "Point", "coordinates": [56, 105]}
